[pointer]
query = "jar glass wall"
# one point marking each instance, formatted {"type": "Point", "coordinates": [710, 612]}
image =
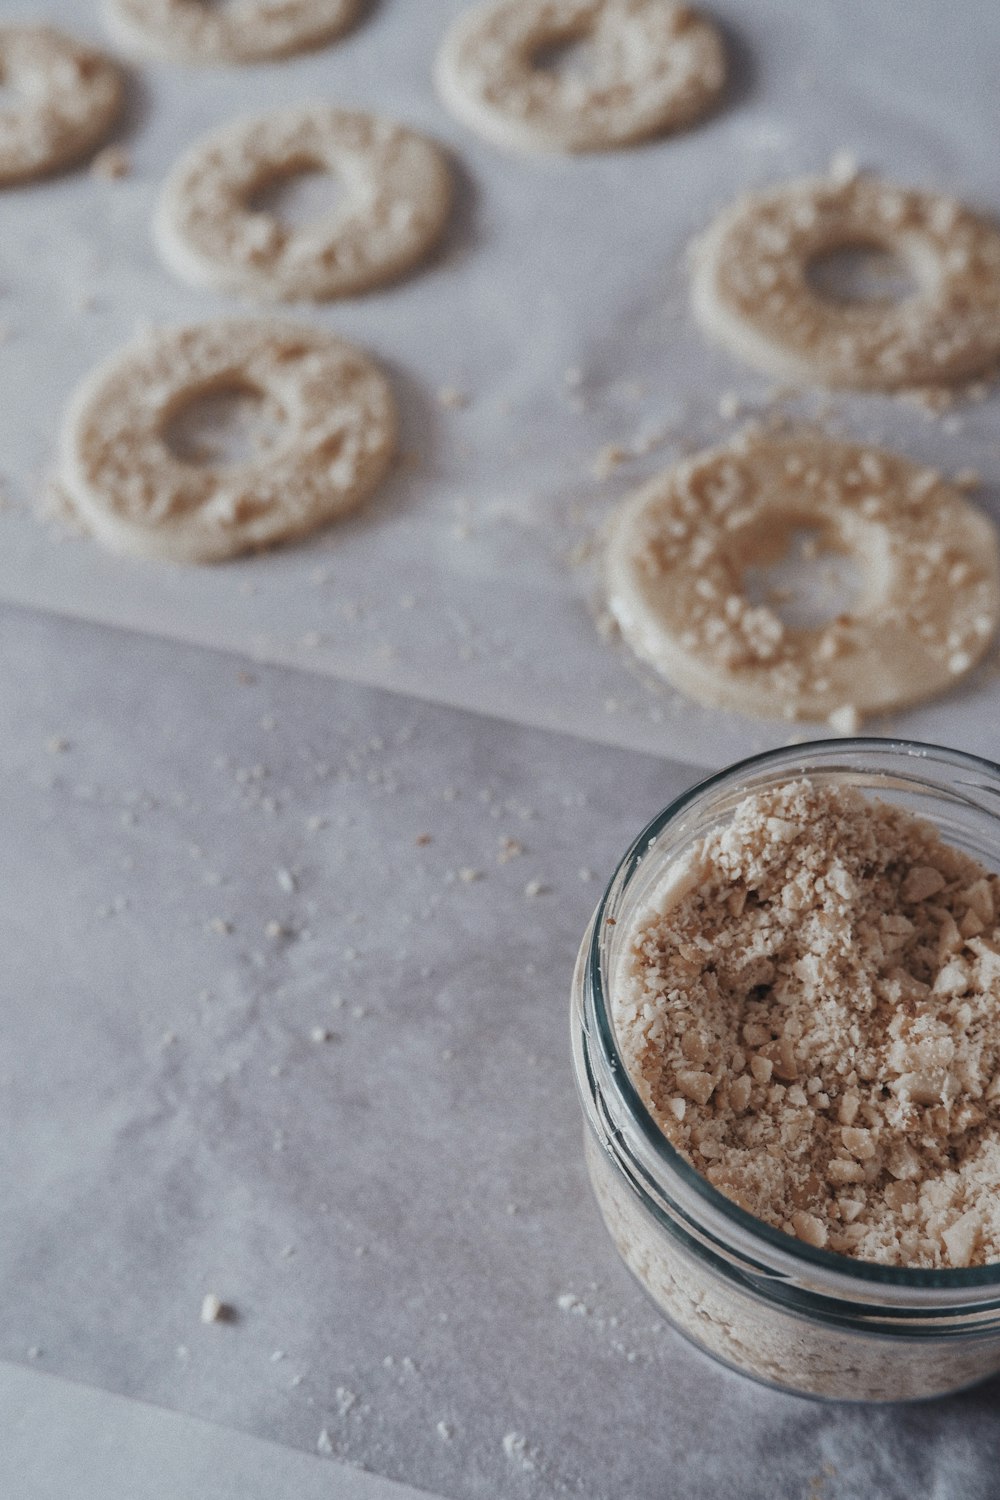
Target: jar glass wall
{"type": "Point", "coordinates": [800, 1318]}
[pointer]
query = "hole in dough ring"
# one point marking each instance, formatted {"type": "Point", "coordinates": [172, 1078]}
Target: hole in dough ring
{"type": "Point", "coordinates": [397, 196]}
{"type": "Point", "coordinates": [243, 31]}
{"type": "Point", "coordinates": [337, 438]}
{"type": "Point", "coordinates": [929, 601]}
{"type": "Point", "coordinates": [656, 67]}
{"type": "Point", "coordinates": [69, 97]}
{"type": "Point", "coordinates": [751, 290]}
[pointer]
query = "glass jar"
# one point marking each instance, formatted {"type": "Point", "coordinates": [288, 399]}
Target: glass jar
{"type": "Point", "coordinates": [802, 1319]}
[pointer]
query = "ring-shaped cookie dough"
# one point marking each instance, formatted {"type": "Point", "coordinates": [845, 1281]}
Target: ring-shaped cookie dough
{"type": "Point", "coordinates": [240, 31]}
{"type": "Point", "coordinates": [68, 98]}
{"type": "Point", "coordinates": [751, 286]}
{"type": "Point", "coordinates": [397, 193]}
{"type": "Point", "coordinates": [337, 432]}
{"type": "Point", "coordinates": [927, 608]}
{"type": "Point", "coordinates": [656, 67]}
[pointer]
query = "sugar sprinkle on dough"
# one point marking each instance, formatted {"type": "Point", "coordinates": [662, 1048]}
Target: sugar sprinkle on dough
{"type": "Point", "coordinates": [111, 164]}
{"type": "Point", "coordinates": [214, 1310]}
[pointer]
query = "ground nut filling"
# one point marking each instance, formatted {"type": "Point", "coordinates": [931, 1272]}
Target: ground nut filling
{"type": "Point", "coordinates": [810, 1009]}
{"type": "Point", "coordinates": [776, 1345]}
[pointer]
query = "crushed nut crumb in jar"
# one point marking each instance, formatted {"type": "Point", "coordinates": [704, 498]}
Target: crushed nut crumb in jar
{"type": "Point", "coordinates": [787, 1029]}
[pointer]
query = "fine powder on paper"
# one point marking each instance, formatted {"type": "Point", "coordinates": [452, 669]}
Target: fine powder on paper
{"type": "Point", "coordinates": [810, 1009]}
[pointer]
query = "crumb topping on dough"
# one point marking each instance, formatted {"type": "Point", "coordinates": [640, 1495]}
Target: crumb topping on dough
{"type": "Point", "coordinates": [653, 67]}
{"type": "Point", "coordinates": [336, 436]}
{"type": "Point", "coordinates": [928, 608]}
{"type": "Point", "coordinates": [751, 284]}
{"type": "Point", "coordinates": [396, 197]}
{"type": "Point", "coordinates": [244, 32]}
{"type": "Point", "coordinates": [66, 98]}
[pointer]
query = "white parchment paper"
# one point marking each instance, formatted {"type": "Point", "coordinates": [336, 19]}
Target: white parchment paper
{"type": "Point", "coordinates": [205, 863]}
{"type": "Point", "coordinates": [60, 1437]}
{"type": "Point", "coordinates": [393, 1211]}
{"type": "Point", "coordinates": [456, 584]}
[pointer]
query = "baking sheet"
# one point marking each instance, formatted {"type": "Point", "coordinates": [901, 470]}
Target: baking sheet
{"type": "Point", "coordinates": [393, 1211]}
{"type": "Point", "coordinates": [456, 583]}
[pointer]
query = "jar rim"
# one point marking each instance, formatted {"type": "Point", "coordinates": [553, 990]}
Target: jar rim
{"type": "Point", "coordinates": [982, 1278]}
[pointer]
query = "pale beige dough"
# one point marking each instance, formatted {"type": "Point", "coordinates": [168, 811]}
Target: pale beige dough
{"type": "Point", "coordinates": [68, 97]}
{"type": "Point", "coordinates": [337, 432]}
{"type": "Point", "coordinates": [397, 193]}
{"type": "Point", "coordinates": [751, 288]}
{"type": "Point", "coordinates": [239, 31]}
{"type": "Point", "coordinates": [656, 67]}
{"type": "Point", "coordinates": [930, 592]}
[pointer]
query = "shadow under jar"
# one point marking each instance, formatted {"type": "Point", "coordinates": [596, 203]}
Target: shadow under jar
{"type": "Point", "coordinates": [802, 1319]}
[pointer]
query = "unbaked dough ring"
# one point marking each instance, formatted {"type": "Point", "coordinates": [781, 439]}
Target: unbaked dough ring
{"type": "Point", "coordinates": [929, 600]}
{"type": "Point", "coordinates": [397, 194]}
{"type": "Point", "coordinates": [69, 97]}
{"type": "Point", "coordinates": [240, 31]}
{"type": "Point", "coordinates": [656, 67]}
{"type": "Point", "coordinates": [338, 425]}
{"type": "Point", "coordinates": [751, 288]}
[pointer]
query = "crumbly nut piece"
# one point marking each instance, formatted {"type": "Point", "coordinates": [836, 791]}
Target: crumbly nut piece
{"type": "Point", "coordinates": [607, 460]}
{"type": "Point", "coordinates": [809, 1229]}
{"type": "Point", "coordinates": [111, 164]}
{"type": "Point", "coordinates": [808, 997]}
